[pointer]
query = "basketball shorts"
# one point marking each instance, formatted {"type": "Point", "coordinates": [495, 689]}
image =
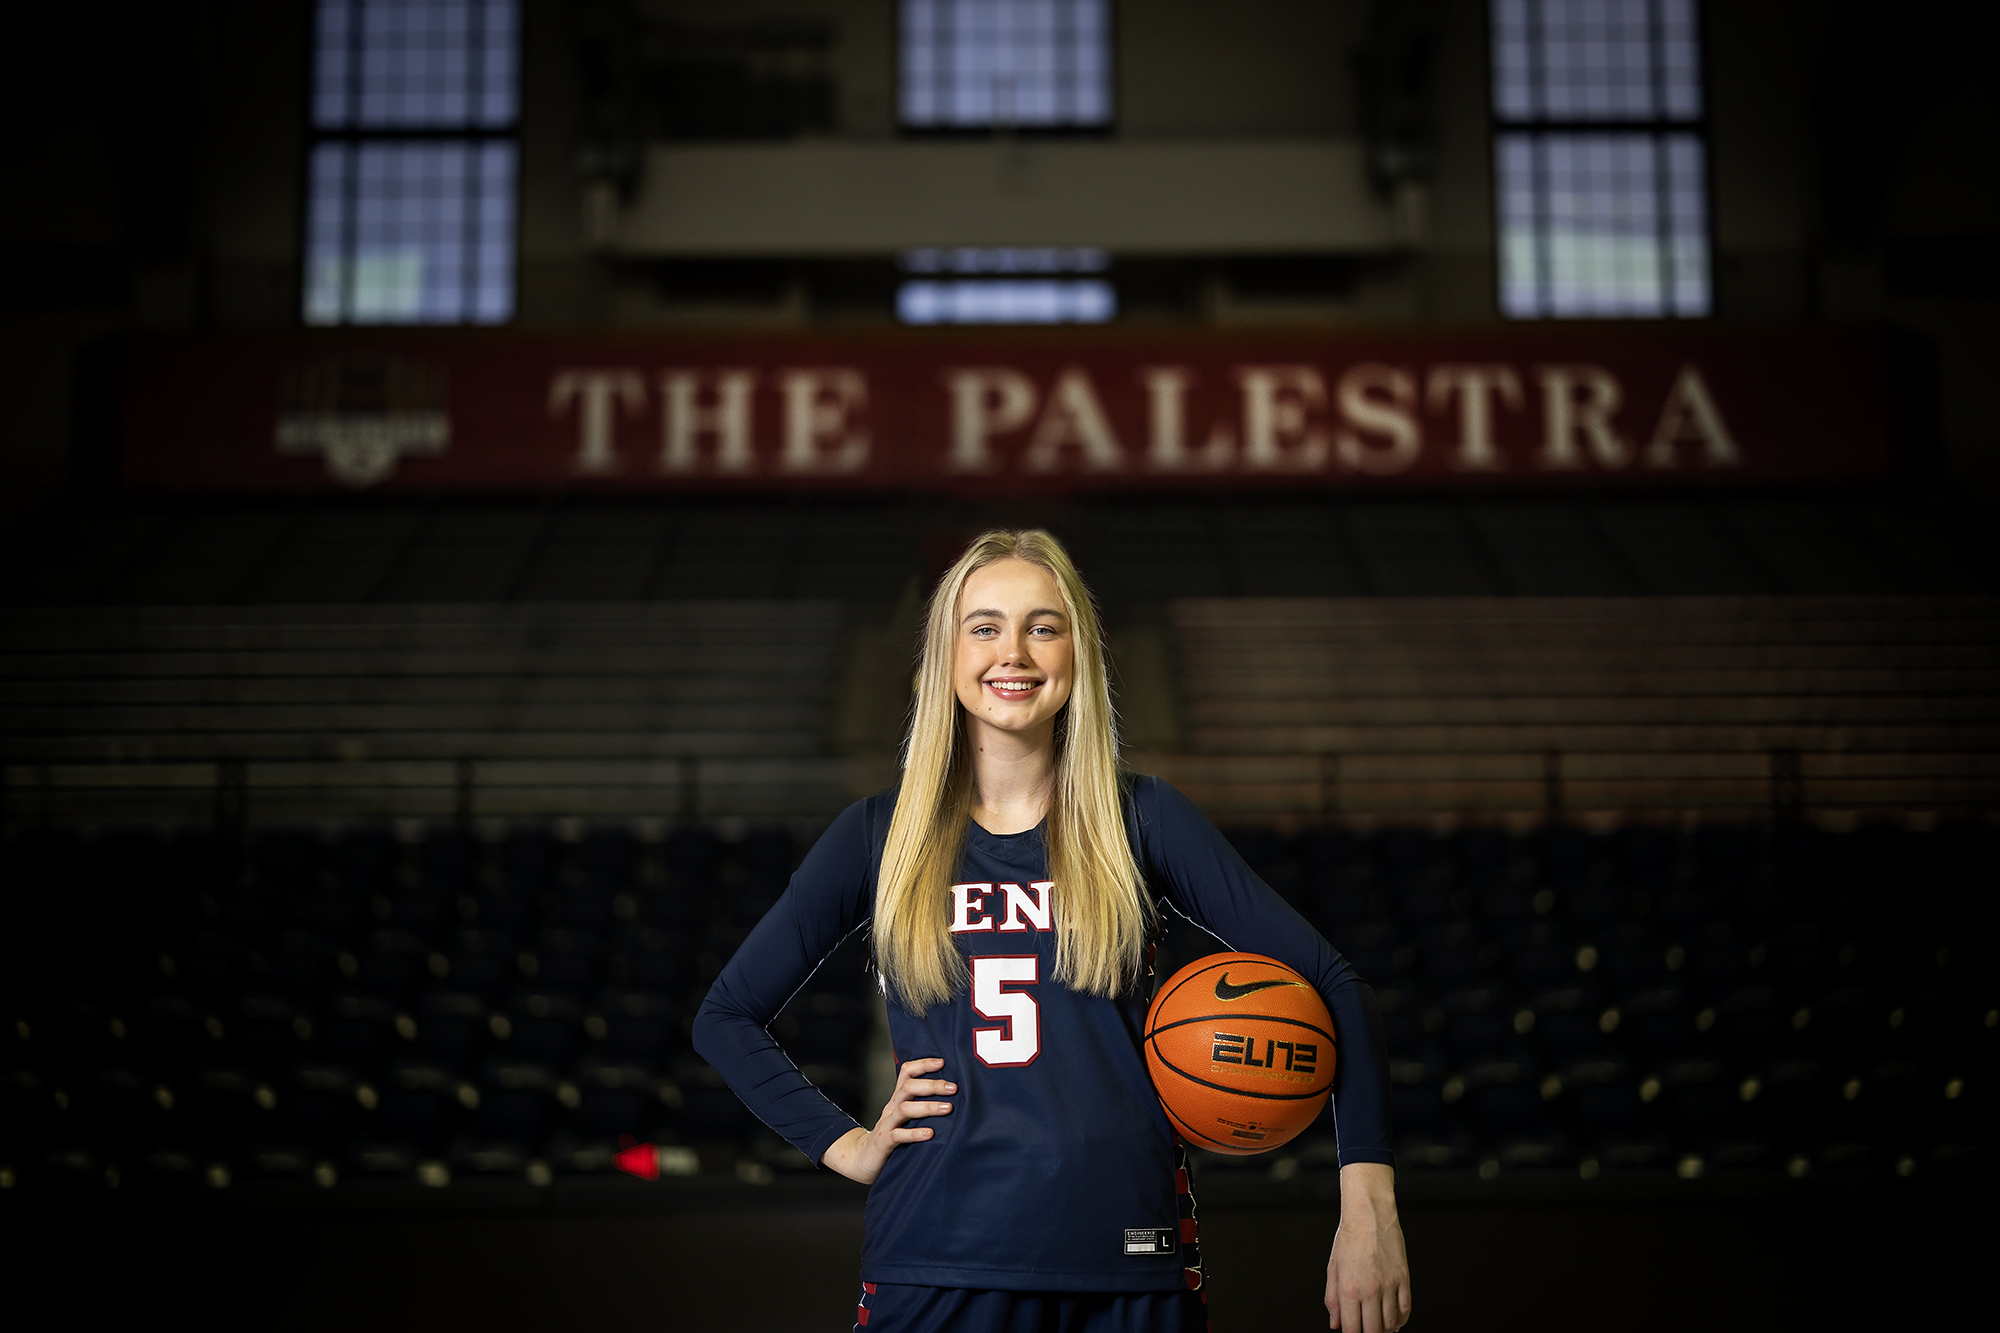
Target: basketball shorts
{"type": "Point", "coordinates": [888, 1308]}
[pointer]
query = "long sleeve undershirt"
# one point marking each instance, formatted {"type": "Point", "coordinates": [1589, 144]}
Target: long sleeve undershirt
{"type": "Point", "coordinates": [1189, 867]}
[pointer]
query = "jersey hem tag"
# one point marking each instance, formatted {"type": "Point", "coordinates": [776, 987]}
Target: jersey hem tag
{"type": "Point", "coordinates": [1151, 1240]}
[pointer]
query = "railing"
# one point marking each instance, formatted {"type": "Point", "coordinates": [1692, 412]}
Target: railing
{"type": "Point", "coordinates": [462, 790]}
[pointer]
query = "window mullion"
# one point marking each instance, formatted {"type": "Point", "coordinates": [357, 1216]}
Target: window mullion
{"type": "Point", "coordinates": [1578, 150]}
{"type": "Point", "coordinates": [424, 265]}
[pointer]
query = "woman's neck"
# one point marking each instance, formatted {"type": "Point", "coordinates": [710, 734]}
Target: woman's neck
{"type": "Point", "coordinates": [1013, 775]}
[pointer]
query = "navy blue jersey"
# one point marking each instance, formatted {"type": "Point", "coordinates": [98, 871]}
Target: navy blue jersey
{"type": "Point", "coordinates": [1056, 1155]}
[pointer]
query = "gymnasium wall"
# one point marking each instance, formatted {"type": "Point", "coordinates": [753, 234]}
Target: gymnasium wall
{"type": "Point", "coordinates": [153, 156]}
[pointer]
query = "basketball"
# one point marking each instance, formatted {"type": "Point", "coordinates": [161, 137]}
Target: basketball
{"type": "Point", "coordinates": [1240, 1049]}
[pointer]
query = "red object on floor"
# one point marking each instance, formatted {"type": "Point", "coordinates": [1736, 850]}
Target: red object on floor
{"type": "Point", "coordinates": [642, 1161]}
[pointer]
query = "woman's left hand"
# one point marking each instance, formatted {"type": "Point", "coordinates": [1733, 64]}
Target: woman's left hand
{"type": "Point", "coordinates": [1368, 1274]}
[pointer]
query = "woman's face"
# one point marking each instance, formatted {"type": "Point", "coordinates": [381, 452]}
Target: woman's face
{"type": "Point", "coordinates": [1013, 665]}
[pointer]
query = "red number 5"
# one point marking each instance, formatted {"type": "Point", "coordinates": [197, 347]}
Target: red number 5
{"type": "Point", "coordinates": [1020, 1040]}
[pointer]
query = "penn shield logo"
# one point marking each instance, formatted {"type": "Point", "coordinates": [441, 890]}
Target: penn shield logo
{"type": "Point", "coordinates": [1225, 991]}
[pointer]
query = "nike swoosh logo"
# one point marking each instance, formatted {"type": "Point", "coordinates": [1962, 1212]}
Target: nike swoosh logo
{"type": "Point", "coordinates": [1225, 991]}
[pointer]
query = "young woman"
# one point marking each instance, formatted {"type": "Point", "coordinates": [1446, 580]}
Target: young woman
{"type": "Point", "coordinates": [1023, 1175]}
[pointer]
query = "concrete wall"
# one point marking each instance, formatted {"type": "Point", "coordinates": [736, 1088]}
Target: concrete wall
{"type": "Point", "coordinates": [98, 94]}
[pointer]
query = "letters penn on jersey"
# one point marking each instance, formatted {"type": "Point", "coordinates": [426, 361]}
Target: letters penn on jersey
{"type": "Point", "coordinates": [999, 980]}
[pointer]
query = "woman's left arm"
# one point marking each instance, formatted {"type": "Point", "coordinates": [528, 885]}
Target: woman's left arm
{"type": "Point", "coordinates": [1209, 883]}
{"type": "Point", "coordinates": [1368, 1273]}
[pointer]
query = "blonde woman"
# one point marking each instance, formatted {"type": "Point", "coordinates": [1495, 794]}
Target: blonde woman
{"type": "Point", "coordinates": [1023, 1175]}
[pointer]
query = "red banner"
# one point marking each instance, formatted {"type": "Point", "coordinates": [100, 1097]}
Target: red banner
{"type": "Point", "coordinates": [978, 412]}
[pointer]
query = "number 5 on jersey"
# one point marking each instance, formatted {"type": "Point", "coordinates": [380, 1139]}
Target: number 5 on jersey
{"type": "Point", "coordinates": [1019, 1041]}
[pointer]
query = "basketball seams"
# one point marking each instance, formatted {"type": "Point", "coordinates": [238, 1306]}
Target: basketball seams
{"type": "Point", "coordinates": [1235, 1149]}
{"type": "Point", "coordinates": [1190, 1130]}
{"type": "Point", "coordinates": [1244, 1018]}
{"type": "Point", "coordinates": [1207, 1099]}
{"type": "Point", "coordinates": [1163, 996]}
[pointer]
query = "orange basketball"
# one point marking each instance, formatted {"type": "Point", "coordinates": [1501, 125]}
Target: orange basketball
{"type": "Point", "coordinates": [1240, 1048]}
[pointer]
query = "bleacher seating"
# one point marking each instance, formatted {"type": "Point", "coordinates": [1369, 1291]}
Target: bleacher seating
{"type": "Point", "coordinates": [1649, 1003]}
{"type": "Point", "coordinates": [1527, 707]}
{"type": "Point", "coordinates": [1137, 553]}
{"type": "Point", "coordinates": [590, 710]}
{"type": "Point", "coordinates": [430, 1008]}
{"type": "Point", "coordinates": [399, 842]}
{"type": "Point", "coordinates": [316, 1009]}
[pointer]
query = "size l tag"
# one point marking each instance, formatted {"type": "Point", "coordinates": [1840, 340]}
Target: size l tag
{"type": "Point", "coordinates": [1149, 1240]}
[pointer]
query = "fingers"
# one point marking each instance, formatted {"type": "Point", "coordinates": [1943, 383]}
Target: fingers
{"type": "Point", "coordinates": [1368, 1281]}
{"type": "Point", "coordinates": [1351, 1318]}
{"type": "Point", "coordinates": [1375, 1302]}
{"type": "Point", "coordinates": [1361, 1305]}
{"type": "Point", "coordinates": [912, 1084]}
{"type": "Point", "coordinates": [1383, 1309]}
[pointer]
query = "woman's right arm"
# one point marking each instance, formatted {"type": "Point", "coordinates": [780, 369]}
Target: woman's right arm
{"type": "Point", "coordinates": [828, 898]}
{"type": "Point", "coordinates": [859, 1153]}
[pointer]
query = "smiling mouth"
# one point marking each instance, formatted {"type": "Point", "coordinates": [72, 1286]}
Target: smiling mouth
{"type": "Point", "coordinates": [1011, 688]}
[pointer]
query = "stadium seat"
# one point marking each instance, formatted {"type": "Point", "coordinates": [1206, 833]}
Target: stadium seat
{"type": "Point", "coordinates": [174, 1032]}
{"type": "Point", "coordinates": [364, 859]}
{"type": "Point", "coordinates": [301, 962]}
{"type": "Point", "coordinates": [544, 1028]}
{"type": "Point", "coordinates": [1754, 1023]}
{"type": "Point", "coordinates": [642, 1026]}
{"type": "Point", "coordinates": [479, 960]}
{"type": "Point", "coordinates": [321, 1104]}
{"type": "Point", "coordinates": [446, 860]}
{"type": "Point", "coordinates": [1402, 1021]}
{"type": "Point", "coordinates": [1570, 1023]}
{"type": "Point", "coordinates": [1538, 956]}
{"type": "Point", "coordinates": [363, 1003]}
{"type": "Point", "coordinates": [1373, 949]}
{"type": "Point", "coordinates": [709, 1110]}
{"type": "Point", "coordinates": [225, 1109]}
{"type": "Point", "coordinates": [651, 959]}
{"type": "Point", "coordinates": [266, 1030]}
{"type": "Point", "coordinates": [1661, 1020]}
{"type": "Point", "coordinates": [1505, 1105]}
{"type": "Point", "coordinates": [564, 959]}
{"type": "Point", "coordinates": [451, 1026]}
{"type": "Point", "coordinates": [824, 1026]}
{"type": "Point", "coordinates": [385, 963]}
{"type": "Point", "coordinates": [619, 1099]}
{"type": "Point", "coordinates": [1480, 1023]}
{"type": "Point", "coordinates": [516, 1103]}
{"type": "Point", "coordinates": [355, 1028]}
{"type": "Point", "coordinates": [415, 1104]}
{"type": "Point", "coordinates": [1451, 954]}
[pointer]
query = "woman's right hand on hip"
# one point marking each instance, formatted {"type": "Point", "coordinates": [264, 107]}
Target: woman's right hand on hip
{"type": "Point", "coordinates": [860, 1153]}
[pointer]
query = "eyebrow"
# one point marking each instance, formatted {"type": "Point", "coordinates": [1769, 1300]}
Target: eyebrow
{"type": "Point", "coordinates": [988, 613]}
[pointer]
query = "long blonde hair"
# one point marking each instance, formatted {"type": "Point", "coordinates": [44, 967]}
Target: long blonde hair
{"type": "Point", "coordinates": [1102, 913]}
